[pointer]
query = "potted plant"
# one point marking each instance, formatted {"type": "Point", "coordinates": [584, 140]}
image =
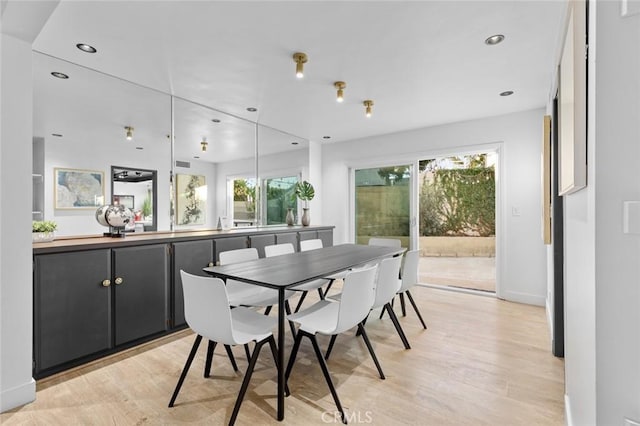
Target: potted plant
{"type": "Point", "coordinates": [305, 192]}
{"type": "Point", "coordinates": [43, 231]}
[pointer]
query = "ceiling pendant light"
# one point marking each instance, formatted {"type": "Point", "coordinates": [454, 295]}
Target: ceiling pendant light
{"type": "Point", "coordinates": [129, 130]}
{"type": "Point", "coordinates": [368, 104]}
{"type": "Point", "coordinates": [340, 85]}
{"type": "Point", "coordinates": [300, 59]}
{"type": "Point", "coordinates": [204, 144]}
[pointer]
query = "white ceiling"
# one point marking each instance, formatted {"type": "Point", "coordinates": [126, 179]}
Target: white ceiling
{"type": "Point", "coordinates": [422, 62]}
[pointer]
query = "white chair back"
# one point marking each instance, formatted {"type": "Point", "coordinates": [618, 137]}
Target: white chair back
{"type": "Point", "coordinates": [388, 280]}
{"type": "Point", "coordinates": [358, 293]}
{"type": "Point", "coordinates": [410, 270]}
{"type": "Point", "coordinates": [238, 255]}
{"type": "Point", "coordinates": [206, 308]}
{"type": "Point", "coordinates": [278, 249]}
{"type": "Point", "coordinates": [385, 242]}
{"type": "Point", "coordinates": [310, 244]}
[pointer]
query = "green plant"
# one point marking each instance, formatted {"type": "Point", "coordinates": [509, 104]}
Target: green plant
{"type": "Point", "coordinates": [305, 192]}
{"type": "Point", "coordinates": [44, 226]}
{"type": "Point", "coordinates": [146, 206]}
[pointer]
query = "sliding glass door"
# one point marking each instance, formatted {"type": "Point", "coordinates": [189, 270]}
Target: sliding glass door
{"type": "Point", "coordinates": [383, 203]}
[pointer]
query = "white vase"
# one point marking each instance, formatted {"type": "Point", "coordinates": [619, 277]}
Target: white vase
{"type": "Point", "coordinates": [306, 218]}
{"type": "Point", "coordinates": [290, 219]}
{"type": "Point", "coordinates": [42, 237]}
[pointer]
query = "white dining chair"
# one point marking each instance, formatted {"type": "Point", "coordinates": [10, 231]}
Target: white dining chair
{"type": "Point", "coordinates": [315, 244]}
{"type": "Point", "coordinates": [209, 314]}
{"type": "Point", "coordinates": [410, 279]}
{"type": "Point", "coordinates": [287, 248]}
{"type": "Point", "coordinates": [385, 242]}
{"type": "Point", "coordinates": [330, 318]}
{"type": "Point", "coordinates": [387, 285]}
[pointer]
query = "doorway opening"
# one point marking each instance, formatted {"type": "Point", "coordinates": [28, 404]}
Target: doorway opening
{"type": "Point", "coordinates": [457, 221]}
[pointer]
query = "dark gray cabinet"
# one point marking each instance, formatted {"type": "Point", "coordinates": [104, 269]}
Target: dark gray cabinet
{"type": "Point", "coordinates": [261, 241]}
{"type": "Point", "coordinates": [141, 278]}
{"type": "Point", "coordinates": [230, 243]}
{"type": "Point", "coordinates": [72, 306]}
{"type": "Point", "coordinates": [190, 256]}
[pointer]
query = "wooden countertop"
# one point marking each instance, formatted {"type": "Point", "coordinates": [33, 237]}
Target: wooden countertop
{"type": "Point", "coordinates": [93, 242]}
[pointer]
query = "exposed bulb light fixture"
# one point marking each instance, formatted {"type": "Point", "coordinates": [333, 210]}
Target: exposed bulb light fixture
{"type": "Point", "coordinates": [507, 93]}
{"type": "Point", "coordinates": [129, 130]}
{"type": "Point", "coordinates": [300, 59]}
{"type": "Point", "coordinates": [368, 104]}
{"type": "Point", "coordinates": [86, 48]}
{"type": "Point", "coordinates": [204, 144]}
{"type": "Point", "coordinates": [494, 39]}
{"type": "Point", "coordinates": [60, 75]}
{"type": "Point", "coordinates": [340, 85]}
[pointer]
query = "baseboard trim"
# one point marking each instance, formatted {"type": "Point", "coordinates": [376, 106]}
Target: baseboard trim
{"type": "Point", "coordinates": [529, 299]}
{"type": "Point", "coordinates": [567, 411]}
{"type": "Point", "coordinates": [20, 395]}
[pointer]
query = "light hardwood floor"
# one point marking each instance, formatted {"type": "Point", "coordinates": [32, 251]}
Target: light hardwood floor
{"type": "Point", "coordinates": [482, 361]}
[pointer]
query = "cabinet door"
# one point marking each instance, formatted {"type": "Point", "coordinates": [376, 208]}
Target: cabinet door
{"type": "Point", "coordinates": [326, 235]}
{"type": "Point", "coordinates": [190, 256]}
{"type": "Point", "coordinates": [72, 307]}
{"type": "Point", "coordinates": [230, 243]}
{"type": "Point", "coordinates": [288, 237]}
{"type": "Point", "coordinates": [141, 278]}
{"type": "Point", "coordinates": [261, 241]}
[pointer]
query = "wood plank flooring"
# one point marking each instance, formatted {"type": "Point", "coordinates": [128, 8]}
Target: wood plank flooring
{"type": "Point", "coordinates": [482, 361]}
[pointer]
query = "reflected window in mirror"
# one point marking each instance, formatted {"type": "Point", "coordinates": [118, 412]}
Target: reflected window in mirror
{"type": "Point", "coordinates": [279, 197]}
{"type": "Point", "coordinates": [137, 189]}
{"type": "Point", "coordinates": [243, 208]}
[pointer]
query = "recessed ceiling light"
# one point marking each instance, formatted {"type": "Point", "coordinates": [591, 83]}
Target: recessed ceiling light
{"type": "Point", "coordinates": [507, 93]}
{"type": "Point", "coordinates": [57, 135]}
{"type": "Point", "coordinates": [196, 157]}
{"type": "Point", "coordinates": [294, 143]}
{"type": "Point", "coordinates": [494, 39]}
{"type": "Point", "coordinates": [326, 137]}
{"type": "Point", "coordinates": [86, 48]}
{"type": "Point", "coordinates": [215, 120]}
{"type": "Point", "coordinates": [61, 75]}
{"type": "Point", "coordinates": [252, 109]}
{"type": "Point", "coordinates": [139, 147]}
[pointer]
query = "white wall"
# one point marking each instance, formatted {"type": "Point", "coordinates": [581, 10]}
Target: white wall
{"type": "Point", "coordinates": [520, 134]}
{"type": "Point", "coordinates": [16, 384]}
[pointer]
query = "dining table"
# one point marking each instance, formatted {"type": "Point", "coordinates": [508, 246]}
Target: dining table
{"type": "Point", "coordinates": [284, 272]}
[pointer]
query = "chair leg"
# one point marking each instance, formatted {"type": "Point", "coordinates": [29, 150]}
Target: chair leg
{"type": "Point", "coordinates": [331, 342]}
{"type": "Point", "coordinates": [231, 357]}
{"type": "Point", "coordinates": [192, 354]}
{"type": "Point", "coordinates": [247, 352]}
{"type": "Point", "coordinates": [364, 321]}
{"type": "Point", "coordinates": [292, 359]}
{"type": "Point", "coordinates": [247, 378]}
{"type": "Point", "coordinates": [396, 323]}
{"type": "Point", "coordinates": [373, 354]}
{"type": "Point", "coordinates": [404, 310]}
{"type": "Point", "coordinates": [207, 365]}
{"type": "Point", "coordinates": [302, 296]}
{"type": "Point", "coordinates": [415, 308]}
{"type": "Point", "coordinates": [384, 308]}
{"type": "Point", "coordinates": [328, 287]}
{"type": "Point", "coordinates": [327, 376]}
{"type": "Point", "coordinates": [266, 311]}
{"type": "Point", "coordinates": [287, 309]}
{"type": "Point", "coordinates": [274, 352]}
{"type": "Point", "coordinates": [320, 293]}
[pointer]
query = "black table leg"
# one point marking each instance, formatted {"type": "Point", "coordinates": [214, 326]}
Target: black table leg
{"type": "Point", "coordinates": [281, 320]}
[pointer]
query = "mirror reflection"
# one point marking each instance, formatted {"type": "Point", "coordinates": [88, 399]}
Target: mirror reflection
{"type": "Point", "coordinates": [136, 189]}
{"type": "Point", "coordinates": [222, 167]}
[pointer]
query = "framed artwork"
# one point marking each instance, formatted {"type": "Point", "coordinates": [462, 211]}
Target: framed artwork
{"type": "Point", "coordinates": [191, 199]}
{"type": "Point", "coordinates": [572, 97]}
{"type": "Point", "coordinates": [76, 189]}
{"type": "Point", "coordinates": [546, 180]}
{"type": "Point", "coordinates": [124, 200]}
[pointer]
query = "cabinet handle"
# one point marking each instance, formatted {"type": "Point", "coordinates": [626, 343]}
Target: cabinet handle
{"type": "Point", "coordinates": [119, 281]}
{"type": "Point", "coordinates": [106, 283]}
{"type": "Point", "coordinates": [211, 264]}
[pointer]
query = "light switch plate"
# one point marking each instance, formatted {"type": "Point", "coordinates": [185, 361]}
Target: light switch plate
{"type": "Point", "coordinates": [631, 218]}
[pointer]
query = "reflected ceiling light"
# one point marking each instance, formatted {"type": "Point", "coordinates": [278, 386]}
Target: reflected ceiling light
{"type": "Point", "coordinates": [215, 120]}
{"type": "Point", "coordinates": [61, 75]}
{"type": "Point", "coordinates": [139, 148]}
{"type": "Point", "coordinates": [86, 48]}
{"type": "Point", "coordinates": [507, 93]}
{"type": "Point", "coordinates": [326, 137]}
{"type": "Point", "coordinates": [252, 109]}
{"type": "Point", "coordinates": [204, 144]}
{"type": "Point", "coordinates": [368, 104]}
{"type": "Point", "coordinates": [129, 130]}
{"type": "Point", "coordinates": [340, 85]}
{"type": "Point", "coordinates": [494, 39]}
{"type": "Point", "coordinates": [300, 59]}
{"type": "Point", "coordinates": [294, 143]}
{"type": "Point", "coordinates": [57, 135]}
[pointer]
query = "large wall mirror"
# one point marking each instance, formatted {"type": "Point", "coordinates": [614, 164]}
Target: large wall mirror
{"type": "Point", "coordinates": [222, 167]}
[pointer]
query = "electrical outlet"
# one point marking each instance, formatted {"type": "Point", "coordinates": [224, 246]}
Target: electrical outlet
{"type": "Point", "coordinates": [629, 422]}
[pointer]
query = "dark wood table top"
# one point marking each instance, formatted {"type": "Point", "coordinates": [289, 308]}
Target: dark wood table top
{"type": "Point", "coordinates": [296, 268]}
